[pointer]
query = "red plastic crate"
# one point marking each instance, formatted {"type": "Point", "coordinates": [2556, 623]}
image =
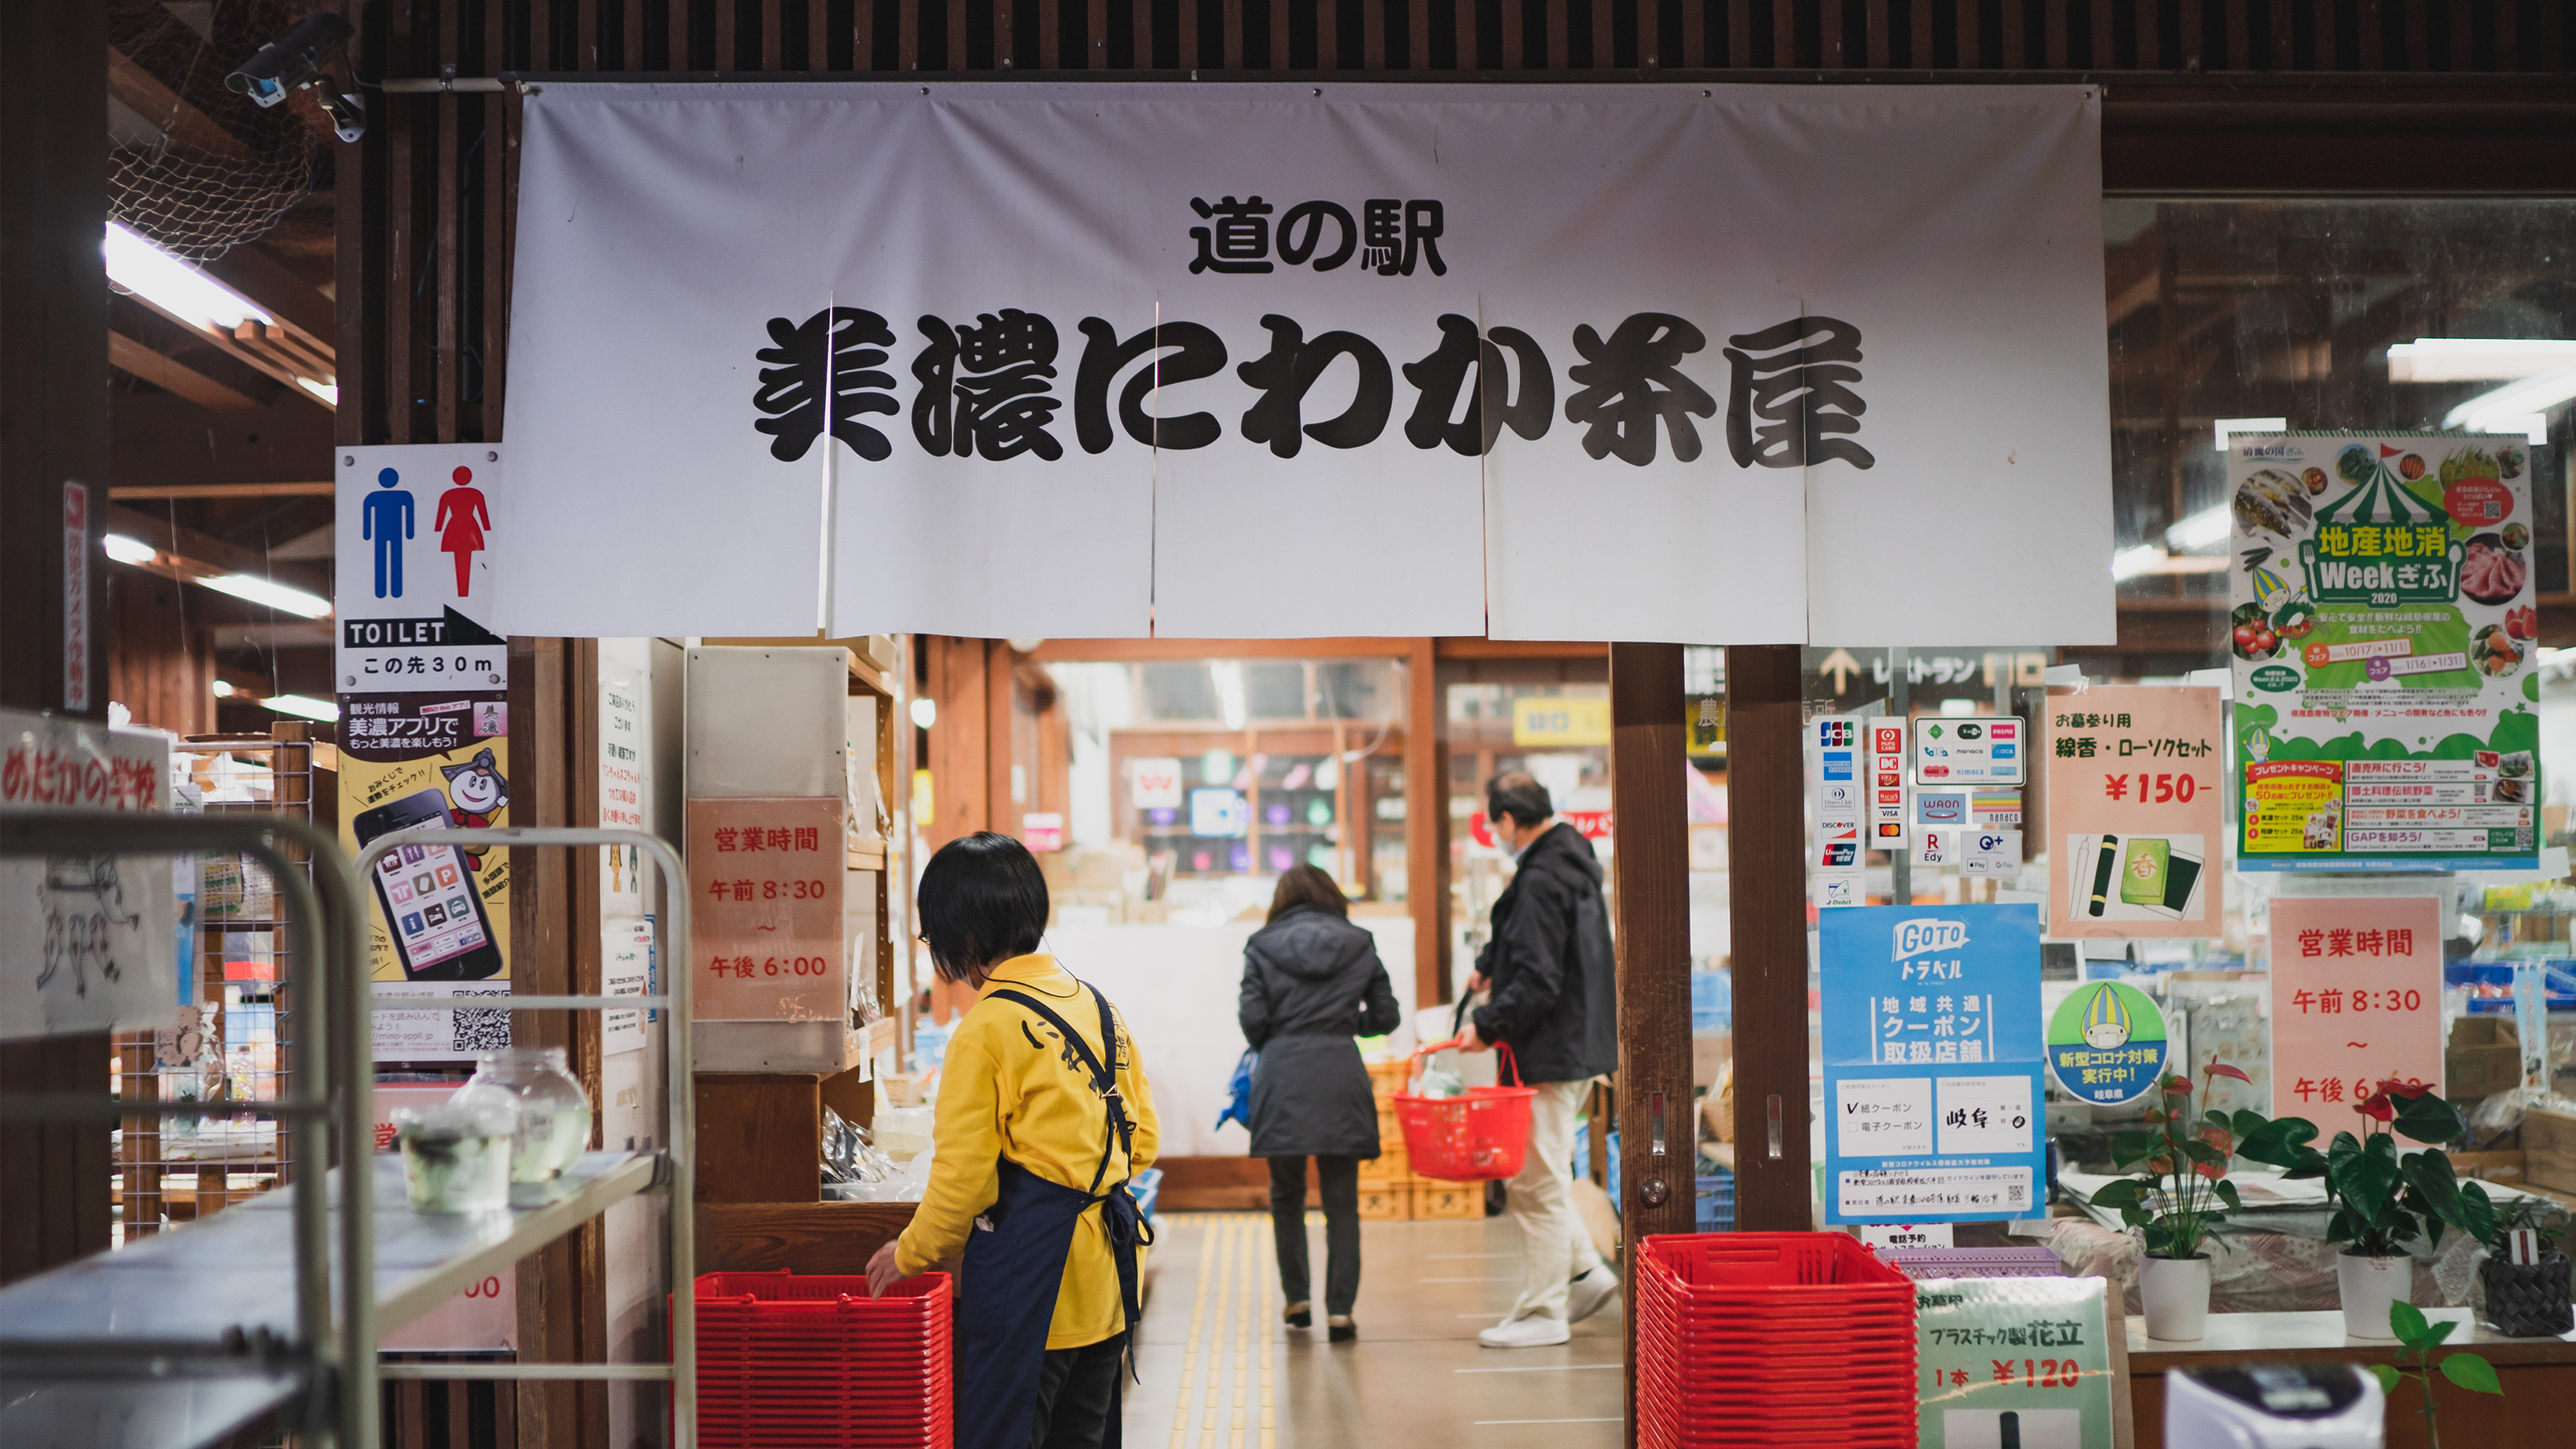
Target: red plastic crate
{"type": "Point", "coordinates": [1728, 1345]}
{"type": "Point", "coordinates": [812, 1362]}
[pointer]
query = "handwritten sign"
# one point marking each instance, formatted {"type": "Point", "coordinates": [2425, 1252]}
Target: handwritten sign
{"type": "Point", "coordinates": [87, 942]}
{"type": "Point", "coordinates": [765, 879]}
{"type": "Point", "coordinates": [2356, 996]}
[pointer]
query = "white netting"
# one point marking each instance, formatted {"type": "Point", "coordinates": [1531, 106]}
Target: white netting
{"type": "Point", "coordinates": [249, 166]}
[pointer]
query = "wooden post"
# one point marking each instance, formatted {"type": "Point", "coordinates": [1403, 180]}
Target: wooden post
{"type": "Point", "coordinates": [1657, 1145]}
{"type": "Point", "coordinates": [1426, 811]}
{"type": "Point", "coordinates": [54, 1202]}
{"type": "Point", "coordinates": [1767, 897]}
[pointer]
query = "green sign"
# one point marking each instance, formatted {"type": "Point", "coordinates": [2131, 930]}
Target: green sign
{"type": "Point", "coordinates": [2013, 1361]}
{"type": "Point", "coordinates": [2106, 1044]}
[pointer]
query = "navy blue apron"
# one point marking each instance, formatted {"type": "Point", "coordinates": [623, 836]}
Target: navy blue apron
{"type": "Point", "coordinates": [1015, 1259]}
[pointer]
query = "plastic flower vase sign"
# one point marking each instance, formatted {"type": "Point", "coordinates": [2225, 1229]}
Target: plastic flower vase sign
{"type": "Point", "coordinates": [1932, 1062]}
{"type": "Point", "coordinates": [2385, 632]}
{"type": "Point", "coordinates": [2013, 1363]}
{"type": "Point", "coordinates": [2137, 803]}
{"type": "Point", "coordinates": [2107, 1043]}
{"type": "Point", "coordinates": [2356, 999]}
{"type": "Point", "coordinates": [765, 882]}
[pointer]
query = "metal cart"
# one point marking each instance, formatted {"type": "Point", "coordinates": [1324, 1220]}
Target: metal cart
{"type": "Point", "coordinates": [186, 1336]}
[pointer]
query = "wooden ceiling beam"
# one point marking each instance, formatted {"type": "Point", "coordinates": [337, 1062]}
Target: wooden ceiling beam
{"type": "Point", "coordinates": [128, 355]}
{"type": "Point", "coordinates": [124, 491]}
{"type": "Point", "coordinates": [164, 109]}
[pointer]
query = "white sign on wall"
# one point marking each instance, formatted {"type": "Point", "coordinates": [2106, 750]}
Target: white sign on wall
{"type": "Point", "coordinates": [87, 942]}
{"type": "Point", "coordinates": [1535, 337]}
{"type": "Point", "coordinates": [418, 569]}
{"type": "Point", "coordinates": [1155, 784]}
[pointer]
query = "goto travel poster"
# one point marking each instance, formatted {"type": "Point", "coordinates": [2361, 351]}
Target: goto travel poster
{"type": "Point", "coordinates": [1932, 1063]}
{"type": "Point", "coordinates": [2384, 628]}
{"type": "Point", "coordinates": [2137, 811]}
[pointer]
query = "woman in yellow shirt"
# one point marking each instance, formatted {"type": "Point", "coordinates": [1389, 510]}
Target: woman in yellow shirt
{"type": "Point", "coordinates": [1043, 1118]}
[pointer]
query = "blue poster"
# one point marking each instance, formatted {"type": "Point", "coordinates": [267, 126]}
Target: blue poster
{"type": "Point", "coordinates": [1932, 1064]}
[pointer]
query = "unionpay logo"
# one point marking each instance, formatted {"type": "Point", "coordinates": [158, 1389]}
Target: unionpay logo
{"type": "Point", "coordinates": [1929, 933]}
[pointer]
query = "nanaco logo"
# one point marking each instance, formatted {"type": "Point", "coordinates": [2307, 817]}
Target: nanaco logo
{"type": "Point", "coordinates": [1929, 933]}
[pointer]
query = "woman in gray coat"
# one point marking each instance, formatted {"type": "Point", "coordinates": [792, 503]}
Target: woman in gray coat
{"type": "Point", "coordinates": [1312, 982]}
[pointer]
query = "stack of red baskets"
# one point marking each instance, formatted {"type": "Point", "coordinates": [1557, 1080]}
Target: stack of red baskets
{"type": "Point", "coordinates": [791, 1362]}
{"type": "Point", "coordinates": [1772, 1338]}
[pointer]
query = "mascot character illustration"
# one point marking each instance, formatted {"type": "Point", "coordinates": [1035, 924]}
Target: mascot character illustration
{"type": "Point", "coordinates": [477, 793]}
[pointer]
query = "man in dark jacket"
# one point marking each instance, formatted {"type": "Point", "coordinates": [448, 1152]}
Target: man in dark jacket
{"type": "Point", "coordinates": [1555, 1004]}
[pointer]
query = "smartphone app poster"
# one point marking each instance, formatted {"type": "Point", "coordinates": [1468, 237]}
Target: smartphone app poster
{"type": "Point", "coordinates": [1932, 1063]}
{"type": "Point", "coordinates": [2137, 811]}
{"type": "Point", "coordinates": [414, 761]}
{"type": "Point", "coordinates": [2356, 998]}
{"type": "Point", "coordinates": [2385, 631]}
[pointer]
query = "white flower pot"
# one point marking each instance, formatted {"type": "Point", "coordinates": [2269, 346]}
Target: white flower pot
{"type": "Point", "coordinates": [2369, 1285]}
{"type": "Point", "coordinates": [2176, 1294]}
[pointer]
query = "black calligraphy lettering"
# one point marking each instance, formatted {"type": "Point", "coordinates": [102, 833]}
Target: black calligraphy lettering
{"type": "Point", "coordinates": [1634, 380]}
{"type": "Point", "coordinates": [1197, 352]}
{"type": "Point", "coordinates": [1295, 245]}
{"type": "Point", "coordinates": [934, 412]}
{"type": "Point", "coordinates": [1800, 389]}
{"type": "Point", "coordinates": [827, 362]}
{"type": "Point", "coordinates": [1423, 224]}
{"type": "Point", "coordinates": [985, 387]}
{"type": "Point", "coordinates": [1382, 233]}
{"type": "Point", "coordinates": [1238, 242]}
{"type": "Point", "coordinates": [1442, 376]}
{"type": "Point", "coordinates": [1291, 367]}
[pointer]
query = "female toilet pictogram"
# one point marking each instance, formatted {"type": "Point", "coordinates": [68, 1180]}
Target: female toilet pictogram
{"type": "Point", "coordinates": [460, 524]}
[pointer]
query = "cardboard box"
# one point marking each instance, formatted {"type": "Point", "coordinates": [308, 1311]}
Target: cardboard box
{"type": "Point", "coordinates": [1447, 1200]}
{"type": "Point", "coordinates": [1389, 1167]}
{"type": "Point", "coordinates": [2484, 1056]}
{"type": "Point", "coordinates": [1385, 1204]}
{"type": "Point", "coordinates": [2549, 1150]}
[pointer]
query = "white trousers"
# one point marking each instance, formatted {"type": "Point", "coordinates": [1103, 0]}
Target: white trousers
{"type": "Point", "coordinates": [1555, 1248]}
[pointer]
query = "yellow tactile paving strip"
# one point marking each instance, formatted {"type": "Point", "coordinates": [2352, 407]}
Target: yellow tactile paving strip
{"type": "Point", "coordinates": [1233, 1348]}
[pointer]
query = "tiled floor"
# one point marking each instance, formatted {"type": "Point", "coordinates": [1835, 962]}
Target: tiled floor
{"type": "Point", "coordinates": [1221, 1372]}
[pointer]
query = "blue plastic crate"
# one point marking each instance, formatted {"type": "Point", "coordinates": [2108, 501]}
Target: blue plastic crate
{"type": "Point", "coordinates": [1712, 1000]}
{"type": "Point", "coordinates": [1715, 1202]}
{"type": "Point", "coordinates": [2557, 972]}
{"type": "Point", "coordinates": [1583, 1157]}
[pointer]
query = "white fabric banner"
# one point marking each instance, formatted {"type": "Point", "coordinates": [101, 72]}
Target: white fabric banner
{"type": "Point", "coordinates": [1756, 364]}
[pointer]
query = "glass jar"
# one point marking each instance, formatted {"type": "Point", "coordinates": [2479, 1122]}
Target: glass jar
{"type": "Point", "coordinates": [456, 1155]}
{"type": "Point", "coordinates": [554, 1114]}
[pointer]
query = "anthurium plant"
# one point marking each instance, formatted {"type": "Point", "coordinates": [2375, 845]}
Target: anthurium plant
{"type": "Point", "coordinates": [2383, 1199]}
{"type": "Point", "coordinates": [2181, 1189]}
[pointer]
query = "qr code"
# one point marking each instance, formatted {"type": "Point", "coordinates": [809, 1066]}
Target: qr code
{"type": "Point", "coordinates": [2013, 1194]}
{"type": "Point", "coordinates": [479, 1031]}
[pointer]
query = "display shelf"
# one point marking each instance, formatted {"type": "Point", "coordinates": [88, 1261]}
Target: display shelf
{"type": "Point", "coordinates": [236, 1270]}
{"type": "Point", "coordinates": [132, 1414]}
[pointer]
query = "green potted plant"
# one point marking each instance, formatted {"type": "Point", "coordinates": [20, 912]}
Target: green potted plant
{"type": "Point", "coordinates": [2419, 1336]}
{"type": "Point", "coordinates": [2526, 1275]}
{"type": "Point", "coordinates": [2179, 1193]}
{"type": "Point", "coordinates": [2383, 1200]}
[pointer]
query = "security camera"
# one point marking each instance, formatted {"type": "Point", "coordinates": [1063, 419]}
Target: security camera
{"type": "Point", "coordinates": [301, 58]}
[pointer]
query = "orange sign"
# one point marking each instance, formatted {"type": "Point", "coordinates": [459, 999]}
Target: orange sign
{"type": "Point", "coordinates": [765, 909]}
{"type": "Point", "coordinates": [2136, 811]}
{"type": "Point", "coordinates": [2356, 996]}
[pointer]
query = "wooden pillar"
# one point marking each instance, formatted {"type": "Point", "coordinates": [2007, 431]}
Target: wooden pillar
{"type": "Point", "coordinates": [1767, 898]}
{"type": "Point", "coordinates": [1657, 1144]}
{"type": "Point", "coordinates": [1426, 814]}
{"type": "Point", "coordinates": [54, 1203]}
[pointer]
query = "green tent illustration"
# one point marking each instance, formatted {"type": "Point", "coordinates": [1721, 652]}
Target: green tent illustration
{"type": "Point", "coordinates": [2381, 545]}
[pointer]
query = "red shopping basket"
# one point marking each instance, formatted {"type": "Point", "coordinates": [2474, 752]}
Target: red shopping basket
{"type": "Point", "coordinates": [1474, 1138]}
{"type": "Point", "coordinates": [790, 1361]}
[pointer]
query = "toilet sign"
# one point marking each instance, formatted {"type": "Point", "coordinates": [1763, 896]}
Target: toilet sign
{"type": "Point", "coordinates": [417, 599]}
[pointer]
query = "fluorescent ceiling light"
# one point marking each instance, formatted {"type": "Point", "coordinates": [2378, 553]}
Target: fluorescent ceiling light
{"type": "Point", "coordinates": [2224, 426]}
{"type": "Point", "coordinates": [329, 392]}
{"type": "Point", "coordinates": [304, 706]}
{"type": "Point", "coordinates": [2534, 427]}
{"type": "Point", "coordinates": [223, 689]}
{"type": "Point", "coordinates": [2477, 359]}
{"type": "Point", "coordinates": [273, 594]}
{"type": "Point", "coordinates": [1958, 708]}
{"type": "Point", "coordinates": [127, 550]}
{"type": "Point", "coordinates": [925, 711]}
{"type": "Point", "coordinates": [1228, 678]}
{"type": "Point", "coordinates": [2507, 409]}
{"type": "Point", "coordinates": [2200, 530]}
{"type": "Point", "coordinates": [2545, 657]}
{"type": "Point", "coordinates": [2128, 563]}
{"type": "Point", "coordinates": [174, 286]}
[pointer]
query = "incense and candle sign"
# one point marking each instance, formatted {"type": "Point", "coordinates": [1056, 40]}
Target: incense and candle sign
{"type": "Point", "coordinates": [765, 881]}
{"type": "Point", "coordinates": [2356, 997]}
{"type": "Point", "coordinates": [2136, 810]}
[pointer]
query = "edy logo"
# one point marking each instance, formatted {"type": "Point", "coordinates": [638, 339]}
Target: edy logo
{"type": "Point", "coordinates": [1930, 933]}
